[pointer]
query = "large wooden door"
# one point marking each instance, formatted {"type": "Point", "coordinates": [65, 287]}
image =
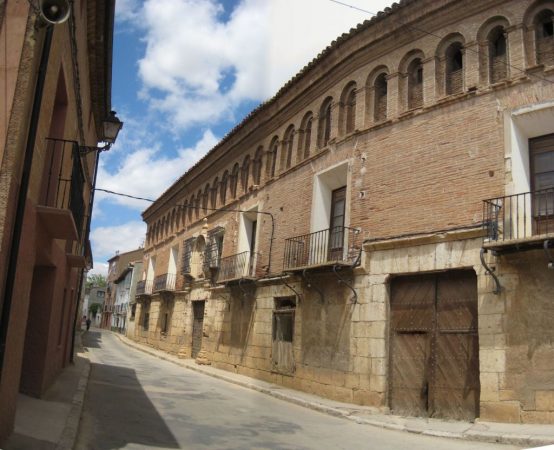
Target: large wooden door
{"type": "Point", "coordinates": [197, 326]}
{"type": "Point", "coordinates": [434, 346]}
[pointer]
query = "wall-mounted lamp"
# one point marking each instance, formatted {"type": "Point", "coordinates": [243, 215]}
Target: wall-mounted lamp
{"type": "Point", "coordinates": [111, 127]}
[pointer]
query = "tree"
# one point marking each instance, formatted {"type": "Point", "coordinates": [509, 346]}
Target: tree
{"type": "Point", "coordinates": [96, 280]}
{"type": "Point", "coordinates": [93, 309]}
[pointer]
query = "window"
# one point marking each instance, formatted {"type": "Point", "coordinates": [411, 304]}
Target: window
{"type": "Point", "coordinates": [305, 141]}
{"type": "Point", "coordinates": [336, 223]}
{"type": "Point", "coordinates": [214, 247]}
{"type": "Point", "coordinates": [498, 63]}
{"type": "Point", "coordinates": [245, 174]}
{"type": "Point", "coordinates": [223, 188]}
{"type": "Point", "coordinates": [187, 255]}
{"type": "Point", "coordinates": [257, 169]}
{"type": "Point", "coordinates": [349, 106]}
{"type": "Point", "coordinates": [542, 179]}
{"type": "Point", "coordinates": [324, 126]}
{"type": "Point", "coordinates": [544, 37]}
{"type": "Point", "coordinates": [380, 90]}
{"type": "Point", "coordinates": [213, 194]}
{"type": "Point", "coordinates": [191, 208]}
{"type": "Point", "coordinates": [288, 142]}
{"type": "Point", "coordinates": [454, 81]}
{"type": "Point", "coordinates": [247, 241]}
{"type": "Point", "coordinates": [415, 84]}
{"type": "Point", "coordinates": [234, 180]}
{"type": "Point", "coordinates": [100, 294]}
{"type": "Point", "coordinates": [272, 157]}
{"type": "Point", "coordinates": [205, 199]}
{"type": "Point", "coordinates": [197, 205]}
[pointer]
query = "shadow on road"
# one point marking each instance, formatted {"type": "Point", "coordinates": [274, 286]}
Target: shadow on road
{"type": "Point", "coordinates": [92, 339]}
{"type": "Point", "coordinates": [117, 412]}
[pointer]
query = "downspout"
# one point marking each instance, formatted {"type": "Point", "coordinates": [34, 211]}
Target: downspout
{"type": "Point", "coordinates": [22, 196]}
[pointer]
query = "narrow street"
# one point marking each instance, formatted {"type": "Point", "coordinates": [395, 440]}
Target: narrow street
{"type": "Point", "coordinates": [136, 401]}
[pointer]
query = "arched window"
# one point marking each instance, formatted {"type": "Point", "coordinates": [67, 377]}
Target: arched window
{"type": "Point", "coordinates": [213, 194]}
{"type": "Point", "coordinates": [288, 142]}
{"type": "Point", "coordinates": [223, 188]}
{"type": "Point", "coordinates": [498, 62]}
{"type": "Point", "coordinates": [350, 110]}
{"type": "Point", "coordinates": [191, 209]}
{"type": "Point", "coordinates": [272, 157]}
{"type": "Point", "coordinates": [234, 180]}
{"type": "Point", "coordinates": [324, 125]}
{"type": "Point", "coordinates": [245, 173]}
{"type": "Point", "coordinates": [257, 169]}
{"type": "Point", "coordinates": [173, 223]}
{"type": "Point", "coordinates": [304, 137]}
{"type": "Point", "coordinates": [454, 72]}
{"type": "Point", "coordinates": [198, 204]}
{"type": "Point", "coordinates": [184, 214]}
{"type": "Point", "coordinates": [544, 37]}
{"type": "Point", "coordinates": [206, 199]}
{"type": "Point", "coordinates": [415, 84]}
{"type": "Point", "coordinates": [380, 92]}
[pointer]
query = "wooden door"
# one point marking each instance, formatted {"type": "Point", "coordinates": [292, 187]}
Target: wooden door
{"type": "Point", "coordinates": [282, 341]}
{"type": "Point", "coordinates": [197, 326]}
{"type": "Point", "coordinates": [434, 355]}
{"type": "Point", "coordinates": [336, 224]}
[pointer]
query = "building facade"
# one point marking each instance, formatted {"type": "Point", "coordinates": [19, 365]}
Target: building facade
{"type": "Point", "coordinates": [94, 296]}
{"type": "Point", "coordinates": [120, 271]}
{"type": "Point", "coordinates": [380, 232]}
{"type": "Point", "coordinates": [56, 96]}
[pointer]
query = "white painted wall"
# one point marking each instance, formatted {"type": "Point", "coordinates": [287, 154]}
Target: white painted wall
{"type": "Point", "coordinates": [325, 183]}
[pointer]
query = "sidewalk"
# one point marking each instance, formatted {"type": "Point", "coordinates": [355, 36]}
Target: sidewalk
{"type": "Point", "coordinates": [524, 435]}
{"type": "Point", "coordinates": [52, 422]}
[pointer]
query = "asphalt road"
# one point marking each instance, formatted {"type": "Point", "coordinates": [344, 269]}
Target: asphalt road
{"type": "Point", "coordinates": [136, 401]}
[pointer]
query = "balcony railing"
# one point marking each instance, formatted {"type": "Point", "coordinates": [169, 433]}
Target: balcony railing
{"type": "Point", "coordinates": [338, 245]}
{"type": "Point", "coordinates": [144, 287]}
{"type": "Point", "coordinates": [65, 179]}
{"type": "Point", "coordinates": [241, 265]}
{"type": "Point", "coordinates": [519, 217]}
{"type": "Point", "coordinates": [165, 282]}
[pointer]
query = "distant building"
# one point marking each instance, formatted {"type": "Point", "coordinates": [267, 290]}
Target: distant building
{"type": "Point", "coordinates": [94, 296]}
{"type": "Point", "coordinates": [118, 288]}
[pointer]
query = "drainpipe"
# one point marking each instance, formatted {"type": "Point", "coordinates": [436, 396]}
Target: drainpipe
{"type": "Point", "coordinates": [22, 196]}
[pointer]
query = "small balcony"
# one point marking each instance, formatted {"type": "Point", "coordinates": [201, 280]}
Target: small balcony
{"type": "Point", "coordinates": [62, 206]}
{"type": "Point", "coordinates": [165, 282]}
{"type": "Point", "coordinates": [237, 267]}
{"type": "Point", "coordinates": [144, 287]}
{"type": "Point", "coordinates": [519, 222]}
{"type": "Point", "coordinates": [338, 246]}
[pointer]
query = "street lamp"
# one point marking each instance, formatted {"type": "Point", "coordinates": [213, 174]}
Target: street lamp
{"type": "Point", "coordinates": [111, 127]}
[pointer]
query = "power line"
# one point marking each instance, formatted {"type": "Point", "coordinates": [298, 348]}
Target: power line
{"type": "Point", "coordinates": [107, 191]}
{"type": "Point", "coordinates": [429, 33]}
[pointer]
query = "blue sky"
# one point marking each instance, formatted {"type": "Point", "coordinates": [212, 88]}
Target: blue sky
{"type": "Point", "coordinates": [184, 73]}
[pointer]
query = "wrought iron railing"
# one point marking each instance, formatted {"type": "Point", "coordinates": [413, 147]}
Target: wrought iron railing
{"type": "Point", "coordinates": [333, 245]}
{"type": "Point", "coordinates": [241, 265]}
{"type": "Point", "coordinates": [165, 282]}
{"type": "Point", "coordinates": [144, 287]}
{"type": "Point", "coordinates": [65, 179]}
{"type": "Point", "coordinates": [519, 216]}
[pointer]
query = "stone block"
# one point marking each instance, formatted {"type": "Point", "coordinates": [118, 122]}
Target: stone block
{"type": "Point", "coordinates": [492, 360]}
{"type": "Point", "coordinates": [368, 398]}
{"type": "Point", "coordinates": [378, 366]}
{"type": "Point", "coordinates": [362, 365]}
{"type": "Point", "coordinates": [378, 329]}
{"type": "Point", "coordinates": [378, 383]}
{"type": "Point", "coordinates": [352, 380]}
{"type": "Point", "coordinates": [377, 348]}
{"type": "Point", "coordinates": [489, 387]}
{"type": "Point", "coordinates": [542, 417]}
{"type": "Point", "coordinates": [507, 412]}
{"type": "Point", "coordinates": [544, 400]}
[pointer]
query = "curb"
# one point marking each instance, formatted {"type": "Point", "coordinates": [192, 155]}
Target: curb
{"type": "Point", "coordinates": [69, 434]}
{"type": "Point", "coordinates": [468, 435]}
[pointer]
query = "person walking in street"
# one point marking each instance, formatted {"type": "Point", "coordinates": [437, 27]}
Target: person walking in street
{"type": "Point", "coordinates": [88, 323]}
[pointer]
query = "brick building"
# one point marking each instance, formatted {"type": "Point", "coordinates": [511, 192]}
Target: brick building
{"type": "Point", "coordinates": [378, 232]}
{"type": "Point", "coordinates": [55, 99]}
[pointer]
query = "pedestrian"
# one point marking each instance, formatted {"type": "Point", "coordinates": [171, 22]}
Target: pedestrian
{"type": "Point", "coordinates": [88, 324]}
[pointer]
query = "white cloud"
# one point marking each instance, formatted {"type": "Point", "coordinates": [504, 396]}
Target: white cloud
{"type": "Point", "coordinates": [198, 68]}
{"type": "Point", "coordinates": [110, 239]}
{"type": "Point", "coordinates": [147, 173]}
{"type": "Point", "coordinates": [100, 268]}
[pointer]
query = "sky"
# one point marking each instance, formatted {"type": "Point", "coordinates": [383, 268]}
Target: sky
{"type": "Point", "coordinates": [185, 72]}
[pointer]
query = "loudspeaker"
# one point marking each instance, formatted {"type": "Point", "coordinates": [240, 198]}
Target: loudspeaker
{"type": "Point", "coordinates": [54, 11]}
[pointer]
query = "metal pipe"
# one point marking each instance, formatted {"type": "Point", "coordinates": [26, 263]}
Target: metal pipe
{"type": "Point", "coordinates": [22, 196]}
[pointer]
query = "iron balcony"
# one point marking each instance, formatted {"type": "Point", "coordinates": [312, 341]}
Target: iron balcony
{"type": "Point", "coordinates": [144, 287]}
{"type": "Point", "coordinates": [165, 282]}
{"type": "Point", "coordinates": [329, 247]}
{"type": "Point", "coordinates": [236, 267]}
{"type": "Point", "coordinates": [519, 221]}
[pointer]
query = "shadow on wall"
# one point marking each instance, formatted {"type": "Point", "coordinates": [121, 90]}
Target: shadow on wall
{"type": "Point", "coordinates": [238, 322]}
{"type": "Point", "coordinates": [326, 326]}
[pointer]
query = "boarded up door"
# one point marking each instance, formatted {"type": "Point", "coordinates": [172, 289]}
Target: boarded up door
{"type": "Point", "coordinates": [197, 326]}
{"type": "Point", "coordinates": [434, 345]}
{"type": "Point", "coordinates": [282, 354]}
